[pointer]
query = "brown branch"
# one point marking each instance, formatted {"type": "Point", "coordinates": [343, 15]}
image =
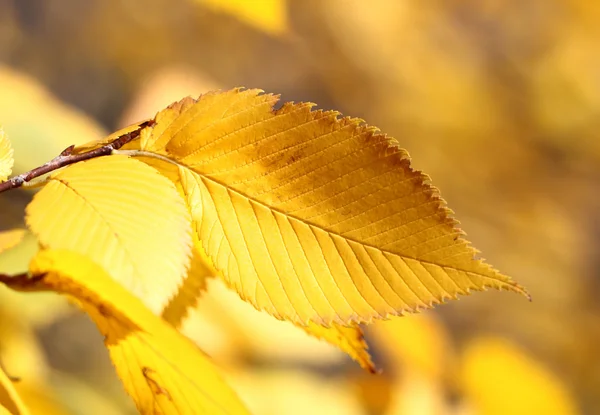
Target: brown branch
{"type": "Point", "coordinates": [16, 282]}
{"type": "Point", "coordinates": [67, 157]}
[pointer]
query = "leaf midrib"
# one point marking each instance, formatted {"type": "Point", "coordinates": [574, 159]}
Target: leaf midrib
{"type": "Point", "coordinates": [143, 153]}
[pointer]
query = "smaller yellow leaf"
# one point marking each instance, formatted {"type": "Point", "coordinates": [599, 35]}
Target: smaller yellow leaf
{"type": "Point", "coordinates": [418, 342]}
{"type": "Point", "coordinates": [350, 339]}
{"type": "Point", "coordinates": [6, 157]}
{"type": "Point", "coordinates": [10, 402]}
{"type": "Point", "coordinates": [122, 214]}
{"type": "Point", "coordinates": [192, 288]}
{"type": "Point", "coordinates": [500, 379]}
{"type": "Point", "coordinates": [9, 239]}
{"type": "Point", "coordinates": [267, 15]}
{"type": "Point", "coordinates": [162, 370]}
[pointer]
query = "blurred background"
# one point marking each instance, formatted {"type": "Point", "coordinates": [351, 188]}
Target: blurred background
{"type": "Point", "coordinates": [498, 101]}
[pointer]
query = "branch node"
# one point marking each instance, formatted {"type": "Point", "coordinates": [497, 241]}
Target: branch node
{"type": "Point", "coordinates": [67, 151]}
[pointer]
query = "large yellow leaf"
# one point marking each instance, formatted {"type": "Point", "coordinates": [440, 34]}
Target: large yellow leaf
{"type": "Point", "coordinates": [313, 217]}
{"type": "Point", "coordinates": [162, 370]}
{"type": "Point", "coordinates": [11, 238]}
{"type": "Point", "coordinates": [123, 215]}
{"type": "Point", "coordinates": [6, 157]}
{"type": "Point", "coordinates": [10, 402]}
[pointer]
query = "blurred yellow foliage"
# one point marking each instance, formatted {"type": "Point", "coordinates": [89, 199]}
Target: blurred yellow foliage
{"type": "Point", "coordinates": [499, 378]}
{"type": "Point", "coordinates": [6, 157]}
{"type": "Point", "coordinates": [275, 392]}
{"type": "Point", "coordinates": [268, 15]}
{"type": "Point", "coordinates": [497, 100]}
{"type": "Point", "coordinates": [38, 124]}
{"type": "Point", "coordinates": [419, 342]}
{"type": "Point", "coordinates": [10, 400]}
{"type": "Point", "coordinates": [9, 239]}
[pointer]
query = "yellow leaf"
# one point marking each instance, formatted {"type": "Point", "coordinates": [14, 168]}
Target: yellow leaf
{"type": "Point", "coordinates": [350, 339]}
{"type": "Point", "coordinates": [418, 343]}
{"type": "Point", "coordinates": [312, 217]}
{"type": "Point", "coordinates": [39, 124]}
{"type": "Point", "coordinates": [500, 379]}
{"type": "Point", "coordinates": [123, 215]}
{"type": "Point", "coordinates": [6, 157]}
{"type": "Point", "coordinates": [267, 15]}
{"type": "Point", "coordinates": [162, 370]}
{"type": "Point", "coordinates": [295, 392]}
{"type": "Point", "coordinates": [192, 288]}
{"type": "Point", "coordinates": [10, 401]}
{"type": "Point", "coordinates": [9, 239]}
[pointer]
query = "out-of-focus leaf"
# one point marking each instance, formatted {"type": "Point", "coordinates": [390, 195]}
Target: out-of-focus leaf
{"type": "Point", "coordinates": [122, 214]}
{"type": "Point", "coordinates": [419, 342]}
{"type": "Point", "coordinates": [10, 400]}
{"type": "Point", "coordinates": [160, 369]}
{"type": "Point", "coordinates": [267, 15]}
{"type": "Point", "coordinates": [7, 160]}
{"type": "Point", "coordinates": [237, 331]}
{"type": "Point", "coordinates": [277, 392]}
{"type": "Point", "coordinates": [418, 352]}
{"type": "Point", "coordinates": [168, 84]}
{"type": "Point", "coordinates": [39, 125]}
{"type": "Point", "coordinates": [9, 239]}
{"type": "Point", "coordinates": [501, 379]}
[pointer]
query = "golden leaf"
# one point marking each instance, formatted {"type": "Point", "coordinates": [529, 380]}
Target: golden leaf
{"type": "Point", "coordinates": [350, 339]}
{"type": "Point", "coordinates": [162, 370]}
{"type": "Point", "coordinates": [500, 379]}
{"type": "Point", "coordinates": [123, 215]}
{"type": "Point", "coordinates": [312, 217]}
{"type": "Point", "coordinates": [192, 288]}
{"type": "Point", "coordinates": [10, 402]}
{"type": "Point", "coordinates": [419, 343]}
{"type": "Point", "coordinates": [267, 15]}
{"type": "Point", "coordinates": [39, 124]}
{"type": "Point", "coordinates": [6, 157]}
{"type": "Point", "coordinates": [276, 391]}
{"type": "Point", "coordinates": [11, 238]}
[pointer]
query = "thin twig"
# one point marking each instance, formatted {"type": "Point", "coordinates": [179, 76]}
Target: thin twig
{"type": "Point", "coordinates": [67, 157]}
